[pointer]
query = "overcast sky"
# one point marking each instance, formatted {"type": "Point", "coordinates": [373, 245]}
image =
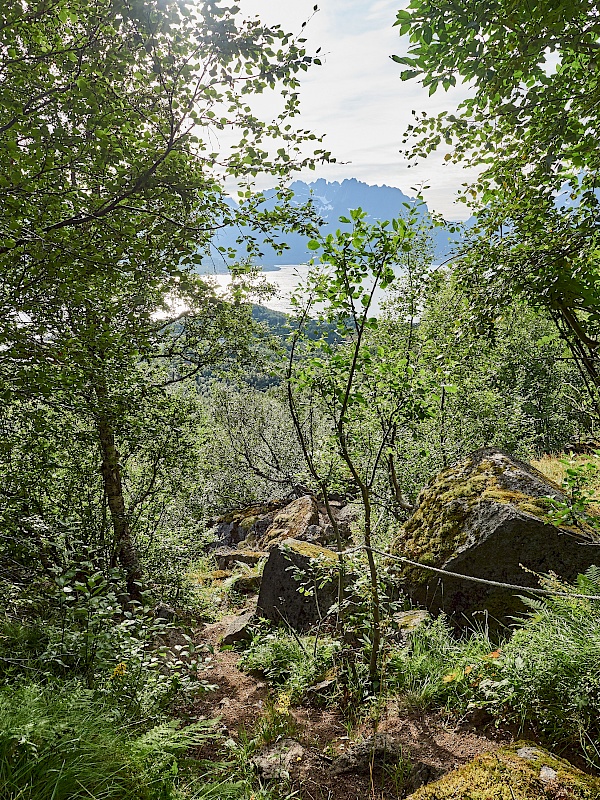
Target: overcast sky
{"type": "Point", "coordinates": [357, 98]}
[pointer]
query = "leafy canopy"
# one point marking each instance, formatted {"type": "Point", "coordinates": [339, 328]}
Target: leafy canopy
{"type": "Point", "coordinates": [531, 124]}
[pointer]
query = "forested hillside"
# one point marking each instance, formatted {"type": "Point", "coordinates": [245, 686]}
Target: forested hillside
{"type": "Point", "coordinates": [348, 552]}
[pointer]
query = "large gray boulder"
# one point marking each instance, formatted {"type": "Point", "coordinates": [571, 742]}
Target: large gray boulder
{"type": "Point", "coordinates": [294, 588]}
{"type": "Point", "coordinates": [487, 517]}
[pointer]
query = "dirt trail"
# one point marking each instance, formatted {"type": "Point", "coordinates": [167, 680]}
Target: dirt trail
{"type": "Point", "coordinates": [434, 744]}
{"type": "Point", "coordinates": [239, 699]}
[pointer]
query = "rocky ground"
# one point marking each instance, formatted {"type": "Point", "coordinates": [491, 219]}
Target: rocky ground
{"type": "Point", "coordinates": [484, 517]}
{"type": "Point", "coordinates": [326, 759]}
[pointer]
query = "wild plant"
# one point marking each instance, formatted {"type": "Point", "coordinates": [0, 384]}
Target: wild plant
{"type": "Point", "coordinates": [548, 675]}
{"type": "Point", "coordinates": [435, 666]}
{"type": "Point", "coordinates": [291, 663]}
{"type": "Point", "coordinates": [578, 486]}
{"type": "Point", "coordinates": [66, 744]}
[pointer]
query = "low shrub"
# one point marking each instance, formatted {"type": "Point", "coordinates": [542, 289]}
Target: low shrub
{"type": "Point", "coordinates": [295, 664]}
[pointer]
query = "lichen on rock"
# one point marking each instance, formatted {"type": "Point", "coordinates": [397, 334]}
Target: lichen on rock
{"type": "Point", "coordinates": [487, 517]}
{"type": "Point", "coordinates": [521, 771]}
{"type": "Point", "coordinates": [293, 520]}
{"type": "Point", "coordinates": [440, 524]}
{"type": "Point", "coordinates": [299, 584]}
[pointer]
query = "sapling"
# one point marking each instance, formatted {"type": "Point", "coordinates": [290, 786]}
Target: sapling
{"type": "Point", "coordinates": [352, 377]}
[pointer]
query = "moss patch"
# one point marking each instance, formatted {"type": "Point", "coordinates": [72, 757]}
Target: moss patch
{"type": "Point", "coordinates": [220, 574]}
{"type": "Point", "coordinates": [522, 771]}
{"type": "Point", "coordinates": [250, 554]}
{"type": "Point", "coordinates": [245, 583]}
{"type": "Point", "coordinates": [442, 522]}
{"type": "Point", "coordinates": [310, 550]}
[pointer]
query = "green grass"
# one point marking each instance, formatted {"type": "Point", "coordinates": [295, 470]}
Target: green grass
{"type": "Point", "coordinates": [548, 674]}
{"type": "Point", "coordinates": [434, 668]}
{"type": "Point", "coordinates": [545, 678]}
{"type": "Point", "coordinates": [294, 664]}
{"type": "Point", "coordinates": [62, 744]}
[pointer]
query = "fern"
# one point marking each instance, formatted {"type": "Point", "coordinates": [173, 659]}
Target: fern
{"type": "Point", "coordinates": [67, 745]}
{"type": "Point", "coordinates": [589, 582]}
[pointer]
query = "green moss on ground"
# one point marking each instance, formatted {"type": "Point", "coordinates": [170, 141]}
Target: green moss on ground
{"type": "Point", "coordinates": [522, 771]}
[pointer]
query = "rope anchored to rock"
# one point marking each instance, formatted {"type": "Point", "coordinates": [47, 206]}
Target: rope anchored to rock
{"type": "Point", "coordinates": [473, 579]}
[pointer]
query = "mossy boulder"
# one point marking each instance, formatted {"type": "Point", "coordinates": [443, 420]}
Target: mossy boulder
{"type": "Point", "coordinates": [246, 524]}
{"type": "Point", "coordinates": [487, 517]}
{"type": "Point", "coordinates": [299, 584]}
{"type": "Point", "coordinates": [521, 771]}
{"type": "Point", "coordinates": [220, 574]}
{"type": "Point", "coordinates": [294, 521]}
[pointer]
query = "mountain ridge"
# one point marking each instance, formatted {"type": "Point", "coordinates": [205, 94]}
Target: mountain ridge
{"type": "Point", "coordinates": [333, 199]}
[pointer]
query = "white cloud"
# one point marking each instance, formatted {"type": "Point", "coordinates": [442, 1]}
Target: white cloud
{"type": "Point", "coordinates": [356, 98]}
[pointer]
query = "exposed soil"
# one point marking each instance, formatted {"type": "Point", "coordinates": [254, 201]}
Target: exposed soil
{"type": "Point", "coordinates": [239, 698]}
{"type": "Point", "coordinates": [433, 743]}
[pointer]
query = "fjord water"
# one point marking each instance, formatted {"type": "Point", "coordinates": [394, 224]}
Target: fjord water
{"type": "Point", "coordinates": [286, 279]}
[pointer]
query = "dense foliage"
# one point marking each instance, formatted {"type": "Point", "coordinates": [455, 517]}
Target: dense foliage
{"type": "Point", "coordinates": [111, 195]}
{"type": "Point", "coordinates": [531, 126]}
{"type": "Point", "coordinates": [139, 403]}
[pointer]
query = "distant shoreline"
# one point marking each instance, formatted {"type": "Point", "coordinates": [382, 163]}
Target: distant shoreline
{"type": "Point", "coordinates": [205, 269]}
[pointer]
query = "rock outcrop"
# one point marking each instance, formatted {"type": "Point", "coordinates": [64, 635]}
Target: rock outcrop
{"type": "Point", "coordinates": [287, 536]}
{"type": "Point", "coordinates": [294, 521]}
{"type": "Point", "coordinates": [294, 588]}
{"type": "Point", "coordinates": [381, 751]}
{"type": "Point", "coordinates": [276, 762]}
{"type": "Point", "coordinates": [247, 525]}
{"type": "Point", "coordinates": [487, 517]}
{"type": "Point", "coordinates": [260, 527]}
{"type": "Point", "coordinates": [521, 771]}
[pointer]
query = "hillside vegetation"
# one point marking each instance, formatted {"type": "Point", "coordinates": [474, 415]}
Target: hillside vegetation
{"type": "Point", "coordinates": [172, 456]}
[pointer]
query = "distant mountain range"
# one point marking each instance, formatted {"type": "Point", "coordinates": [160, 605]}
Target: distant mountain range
{"type": "Point", "coordinates": [333, 200]}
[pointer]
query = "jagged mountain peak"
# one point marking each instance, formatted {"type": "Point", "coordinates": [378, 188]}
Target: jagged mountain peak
{"type": "Point", "coordinates": [334, 199]}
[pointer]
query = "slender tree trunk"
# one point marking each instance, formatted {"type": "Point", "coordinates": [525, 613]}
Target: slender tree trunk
{"type": "Point", "coordinates": [398, 497]}
{"type": "Point", "coordinates": [340, 548]}
{"type": "Point", "coordinates": [586, 358]}
{"type": "Point", "coordinates": [375, 603]}
{"type": "Point", "coordinates": [125, 552]}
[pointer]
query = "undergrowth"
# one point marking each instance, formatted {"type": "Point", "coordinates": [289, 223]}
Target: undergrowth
{"type": "Point", "coordinates": [295, 664]}
{"type": "Point", "coordinates": [545, 678]}
{"type": "Point", "coordinates": [548, 675]}
{"type": "Point", "coordinates": [64, 744]}
{"type": "Point", "coordinates": [424, 673]}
